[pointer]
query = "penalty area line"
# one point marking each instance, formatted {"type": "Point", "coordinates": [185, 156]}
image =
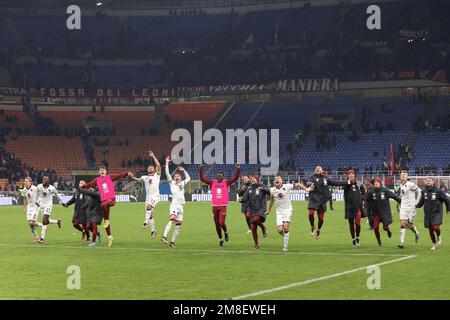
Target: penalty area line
{"type": "Point", "coordinates": [334, 275]}
{"type": "Point", "coordinates": [202, 250]}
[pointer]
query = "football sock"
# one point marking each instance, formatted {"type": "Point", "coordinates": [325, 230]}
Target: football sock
{"type": "Point", "coordinates": [432, 236]}
{"type": "Point", "coordinates": [377, 234]}
{"type": "Point", "coordinates": [43, 231]}
{"type": "Point", "coordinates": [437, 229]}
{"type": "Point", "coordinates": [52, 221]}
{"type": "Point", "coordinates": [414, 229]}
{"type": "Point", "coordinates": [255, 233]}
{"type": "Point", "coordinates": [176, 232]}
{"type": "Point", "coordinates": [33, 230]}
{"type": "Point", "coordinates": [286, 239]}
{"type": "Point", "coordinates": [402, 235]}
{"type": "Point", "coordinates": [321, 217]}
{"type": "Point", "coordinates": [108, 230]}
{"type": "Point", "coordinates": [351, 225]}
{"type": "Point", "coordinates": [167, 229]}
{"type": "Point", "coordinates": [311, 217]}
{"type": "Point", "coordinates": [78, 227]}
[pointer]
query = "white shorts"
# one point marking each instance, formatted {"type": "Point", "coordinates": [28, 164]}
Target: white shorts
{"type": "Point", "coordinates": [283, 216]}
{"type": "Point", "coordinates": [46, 210]}
{"type": "Point", "coordinates": [32, 214]}
{"type": "Point", "coordinates": [176, 209]}
{"type": "Point", "coordinates": [152, 201]}
{"type": "Point", "coordinates": [407, 214]}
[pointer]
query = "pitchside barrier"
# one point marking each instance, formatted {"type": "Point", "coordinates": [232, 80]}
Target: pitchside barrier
{"type": "Point", "coordinates": [13, 198]}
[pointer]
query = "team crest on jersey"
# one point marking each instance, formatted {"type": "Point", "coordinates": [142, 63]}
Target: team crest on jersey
{"type": "Point", "coordinates": [433, 196]}
{"type": "Point", "coordinates": [280, 195]}
{"type": "Point", "coordinates": [317, 180]}
{"type": "Point", "coordinates": [324, 182]}
{"type": "Point", "coordinates": [382, 196]}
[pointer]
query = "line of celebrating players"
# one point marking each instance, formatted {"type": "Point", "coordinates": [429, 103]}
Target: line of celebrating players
{"type": "Point", "coordinates": [92, 206]}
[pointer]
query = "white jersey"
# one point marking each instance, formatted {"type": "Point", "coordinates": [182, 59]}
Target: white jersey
{"type": "Point", "coordinates": [45, 195]}
{"type": "Point", "coordinates": [410, 194]}
{"type": "Point", "coordinates": [32, 197]}
{"type": "Point", "coordinates": [151, 185]}
{"type": "Point", "coordinates": [282, 198]}
{"type": "Point", "coordinates": [177, 189]}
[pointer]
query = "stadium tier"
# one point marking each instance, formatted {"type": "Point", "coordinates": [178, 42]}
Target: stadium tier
{"type": "Point", "coordinates": [222, 48]}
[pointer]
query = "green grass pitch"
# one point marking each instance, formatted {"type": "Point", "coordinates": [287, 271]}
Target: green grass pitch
{"type": "Point", "coordinates": [137, 267]}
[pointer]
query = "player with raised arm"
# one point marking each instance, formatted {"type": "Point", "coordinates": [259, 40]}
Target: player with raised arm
{"type": "Point", "coordinates": [280, 195]}
{"type": "Point", "coordinates": [256, 196]}
{"type": "Point", "coordinates": [105, 185]}
{"type": "Point", "coordinates": [318, 198]}
{"type": "Point", "coordinates": [353, 199]}
{"type": "Point", "coordinates": [79, 218]}
{"type": "Point", "coordinates": [176, 209]}
{"type": "Point", "coordinates": [244, 205]}
{"type": "Point", "coordinates": [410, 194]}
{"type": "Point", "coordinates": [45, 199]}
{"type": "Point", "coordinates": [151, 182]}
{"type": "Point", "coordinates": [378, 208]}
{"type": "Point", "coordinates": [31, 195]}
{"type": "Point", "coordinates": [219, 190]}
{"type": "Point", "coordinates": [432, 200]}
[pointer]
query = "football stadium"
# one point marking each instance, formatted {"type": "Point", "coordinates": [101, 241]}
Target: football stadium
{"type": "Point", "coordinates": [224, 150]}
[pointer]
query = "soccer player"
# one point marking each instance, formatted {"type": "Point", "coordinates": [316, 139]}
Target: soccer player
{"type": "Point", "coordinates": [410, 195]}
{"type": "Point", "coordinates": [105, 186]}
{"type": "Point", "coordinates": [177, 186]}
{"type": "Point", "coordinates": [219, 190]}
{"type": "Point", "coordinates": [378, 208]}
{"type": "Point", "coordinates": [151, 182]}
{"type": "Point", "coordinates": [31, 195]}
{"type": "Point", "coordinates": [45, 198]}
{"type": "Point", "coordinates": [93, 209]}
{"type": "Point", "coordinates": [256, 196]}
{"type": "Point", "coordinates": [280, 195]}
{"type": "Point", "coordinates": [79, 218]}
{"type": "Point", "coordinates": [244, 206]}
{"type": "Point", "coordinates": [318, 198]}
{"type": "Point", "coordinates": [353, 198]}
{"type": "Point", "coordinates": [432, 199]}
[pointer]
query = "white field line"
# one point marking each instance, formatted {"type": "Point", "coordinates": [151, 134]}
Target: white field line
{"type": "Point", "coordinates": [335, 275]}
{"type": "Point", "coordinates": [218, 251]}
